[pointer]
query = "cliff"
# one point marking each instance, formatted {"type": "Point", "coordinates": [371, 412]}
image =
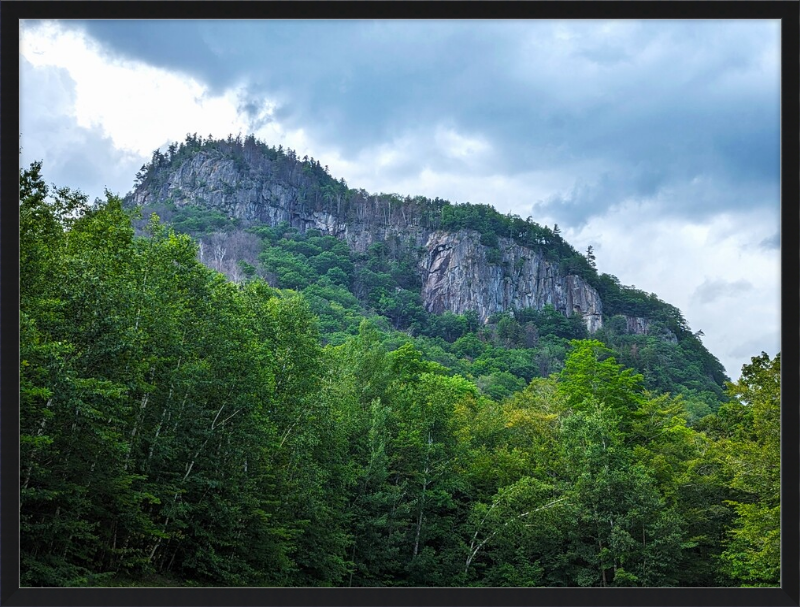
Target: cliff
{"type": "Point", "coordinates": [259, 190]}
{"type": "Point", "coordinates": [256, 184]}
{"type": "Point", "coordinates": [458, 277]}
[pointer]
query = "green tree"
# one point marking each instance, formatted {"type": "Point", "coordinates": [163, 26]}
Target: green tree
{"type": "Point", "coordinates": [591, 374]}
{"type": "Point", "coordinates": [616, 500]}
{"type": "Point", "coordinates": [590, 257]}
{"type": "Point", "coordinates": [752, 556]}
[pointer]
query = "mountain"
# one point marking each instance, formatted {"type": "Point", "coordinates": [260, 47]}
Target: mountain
{"type": "Point", "coordinates": [447, 258]}
{"type": "Point", "coordinates": [459, 271]}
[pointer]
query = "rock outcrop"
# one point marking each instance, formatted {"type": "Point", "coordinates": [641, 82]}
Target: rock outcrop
{"type": "Point", "coordinates": [256, 193]}
{"type": "Point", "coordinates": [459, 277]}
{"type": "Point", "coordinates": [638, 325]}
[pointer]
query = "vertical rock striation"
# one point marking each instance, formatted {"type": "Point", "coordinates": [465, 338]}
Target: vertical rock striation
{"type": "Point", "coordinates": [458, 276]}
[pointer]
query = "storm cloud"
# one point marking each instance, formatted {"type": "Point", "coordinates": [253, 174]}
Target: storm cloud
{"type": "Point", "coordinates": [641, 107]}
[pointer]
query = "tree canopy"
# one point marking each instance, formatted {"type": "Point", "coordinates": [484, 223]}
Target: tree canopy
{"type": "Point", "coordinates": [180, 428]}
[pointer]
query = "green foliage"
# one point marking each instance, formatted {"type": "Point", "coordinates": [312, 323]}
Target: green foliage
{"type": "Point", "coordinates": [592, 376]}
{"type": "Point", "coordinates": [619, 299]}
{"type": "Point", "coordinates": [169, 421]}
{"type": "Point", "coordinates": [448, 326]}
{"type": "Point", "coordinates": [549, 321]}
{"type": "Point", "coordinates": [500, 384]}
{"type": "Point", "coordinates": [291, 270]}
{"type": "Point", "coordinates": [176, 426]}
{"type": "Point", "coordinates": [200, 220]}
{"type": "Point", "coordinates": [753, 455]}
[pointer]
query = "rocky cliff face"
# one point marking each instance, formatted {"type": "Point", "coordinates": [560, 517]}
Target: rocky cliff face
{"type": "Point", "coordinates": [255, 193]}
{"type": "Point", "coordinates": [459, 277]}
{"type": "Point", "coordinates": [637, 325]}
{"type": "Point", "coordinates": [458, 273]}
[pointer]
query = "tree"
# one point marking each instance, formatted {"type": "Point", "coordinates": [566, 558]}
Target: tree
{"type": "Point", "coordinates": [618, 503]}
{"type": "Point", "coordinates": [590, 374]}
{"type": "Point", "coordinates": [753, 551]}
{"type": "Point", "coordinates": [590, 257]}
{"type": "Point", "coordinates": [623, 533]}
{"type": "Point", "coordinates": [75, 383]}
{"type": "Point", "coordinates": [508, 518]}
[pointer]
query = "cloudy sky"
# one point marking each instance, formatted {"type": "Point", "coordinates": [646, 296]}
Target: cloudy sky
{"type": "Point", "coordinates": [656, 142]}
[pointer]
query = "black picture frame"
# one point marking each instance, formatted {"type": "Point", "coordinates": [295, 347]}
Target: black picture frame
{"type": "Point", "coordinates": [789, 592]}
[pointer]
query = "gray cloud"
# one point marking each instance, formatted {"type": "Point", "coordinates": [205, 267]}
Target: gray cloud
{"type": "Point", "coordinates": [627, 109]}
{"type": "Point", "coordinates": [591, 199]}
{"type": "Point", "coordinates": [255, 112]}
{"type": "Point", "coordinates": [771, 343]}
{"type": "Point", "coordinates": [712, 290]}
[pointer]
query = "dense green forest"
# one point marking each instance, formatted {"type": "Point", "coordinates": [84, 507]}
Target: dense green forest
{"type": "Point", "coordinates": [180, 428]}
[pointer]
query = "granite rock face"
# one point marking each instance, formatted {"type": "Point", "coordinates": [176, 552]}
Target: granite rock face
{"type": "Point", "coordinates": [459, 277]}
{"type": "Point", "coordinates": [637, 325]}
{"type": "Point", "coordinates": [458, 273]}
{"type": "Point", "coordinates": [256, 194]}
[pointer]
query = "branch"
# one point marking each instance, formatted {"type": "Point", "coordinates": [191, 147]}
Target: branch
{"type": "Point", "coordinates": [508, 522]}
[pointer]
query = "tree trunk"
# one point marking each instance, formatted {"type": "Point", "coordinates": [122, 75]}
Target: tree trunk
{"type": "Point", "coordinates": [422, 497]}
{"type": "Point", "coordinates": [420, 516]}
{"type": "Point", "coordinates": [39, 432]}
{"type": "Point", "coordinates": [602, 568]}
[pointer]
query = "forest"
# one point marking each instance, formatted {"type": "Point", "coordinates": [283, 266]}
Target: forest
{"type": "Point", "coordinates": [309, 424]}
